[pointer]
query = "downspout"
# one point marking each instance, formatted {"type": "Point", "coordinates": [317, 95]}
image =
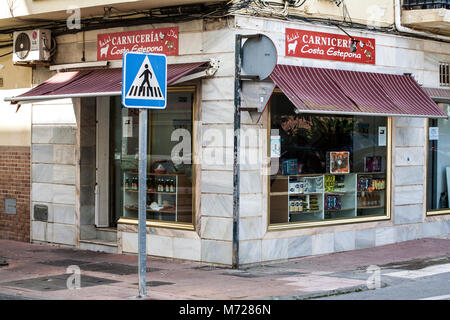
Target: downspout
{"type": "Point", "coordinates": [400, 28]}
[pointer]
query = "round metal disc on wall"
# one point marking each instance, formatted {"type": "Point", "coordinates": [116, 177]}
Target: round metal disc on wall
{"type": "Point", "coordinates": [259, 56]}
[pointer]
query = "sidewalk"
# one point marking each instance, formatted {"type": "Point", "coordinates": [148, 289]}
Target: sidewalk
{"type": "Point", "coordinates": [38, 271]}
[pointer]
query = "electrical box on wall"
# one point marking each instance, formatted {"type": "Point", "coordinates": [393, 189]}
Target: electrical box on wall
{"type": "Point", "coordinates": [32, 45]}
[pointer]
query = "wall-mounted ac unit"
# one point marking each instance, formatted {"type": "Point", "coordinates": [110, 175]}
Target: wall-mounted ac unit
{"type": "Point", "coordinates": [32, 45]}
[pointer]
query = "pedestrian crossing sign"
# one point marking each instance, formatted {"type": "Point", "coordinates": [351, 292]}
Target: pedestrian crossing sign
{"type": "Point", "coordinates": [144, 80]}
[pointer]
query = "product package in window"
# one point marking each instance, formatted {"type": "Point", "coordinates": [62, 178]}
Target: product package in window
{"type": "Point", "coordinates": [338, 162]}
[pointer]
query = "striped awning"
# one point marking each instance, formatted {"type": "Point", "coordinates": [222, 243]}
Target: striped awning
{"type": "Point", "coordinates": [438, 94]}
{"type": "Point", "coordinates": [97, 82]}
{"type": "Point", "coordinates": [319, 90]}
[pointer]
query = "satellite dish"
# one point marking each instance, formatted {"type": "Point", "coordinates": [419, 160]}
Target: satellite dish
{"type": "Point", "coordinates": [259, 56]}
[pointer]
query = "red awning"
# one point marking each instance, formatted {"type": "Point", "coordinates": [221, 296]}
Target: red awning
{"type": "Point", "coordinates": [438, 94]}
{"type": "Point", "coordinates": [318, 90]}
{"type": "Point", "coordinates": [98, 82]}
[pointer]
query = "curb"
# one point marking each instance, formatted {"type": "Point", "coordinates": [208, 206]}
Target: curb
{"type": "Point", "coordinates": [326, 293]}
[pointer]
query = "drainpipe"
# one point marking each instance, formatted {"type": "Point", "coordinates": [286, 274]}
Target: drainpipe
{"type": "Point", "coordinates": [400, 28]}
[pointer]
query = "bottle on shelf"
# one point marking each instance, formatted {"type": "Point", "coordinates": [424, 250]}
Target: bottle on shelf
{"type": "Point", "coordinates": [166, 185]}
{"type": "Point", "coordinates": [134, 183]}
{"type": "Point", "coordinates": [172, 186]}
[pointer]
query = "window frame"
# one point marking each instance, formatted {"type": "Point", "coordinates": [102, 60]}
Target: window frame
{"type": "Point", "coordinates": [329, 222]}
{"type": "Point", "coordinates": [172, 224]}
{"type": "Point", "coordinates": [430, 212]}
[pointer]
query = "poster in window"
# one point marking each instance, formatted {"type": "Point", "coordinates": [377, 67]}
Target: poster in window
{"type": "Point", "coordinates": [339, 161]}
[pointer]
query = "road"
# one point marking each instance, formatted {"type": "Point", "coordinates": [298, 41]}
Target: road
{"type": "Point", "coordinates": [406, 285]}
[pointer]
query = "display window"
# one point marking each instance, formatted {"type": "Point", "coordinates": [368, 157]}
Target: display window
{"type": "Point", "coordinates": [329, 168]}
{"type": "Point", "coordinates": [438, 164]}
{"type": "Point", "coordinates": [170, 169]}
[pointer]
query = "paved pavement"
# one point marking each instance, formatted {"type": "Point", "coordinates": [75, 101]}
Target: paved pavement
{"type": "Point", "coordinates": [47, 272]}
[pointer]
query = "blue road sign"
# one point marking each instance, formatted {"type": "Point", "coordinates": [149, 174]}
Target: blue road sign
{"type": "Point", "coordinates": [144, 80]}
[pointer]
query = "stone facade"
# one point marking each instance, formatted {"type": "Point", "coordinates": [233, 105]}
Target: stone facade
{"type": "Point", "coordinates": [57, 179]}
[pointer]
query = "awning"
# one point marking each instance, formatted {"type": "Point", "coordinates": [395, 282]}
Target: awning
{"type": "Point", "coordinates": [329, 91]}
{"type": "Point", "coordinates": [94, 83]}
{"type": "Point", "coordinates": [438, 94]}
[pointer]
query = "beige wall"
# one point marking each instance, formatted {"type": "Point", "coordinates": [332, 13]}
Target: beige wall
{"type": "Point", "coordinates": [379, 13]}
{"type": "Point", "coordinates": [14, 126]}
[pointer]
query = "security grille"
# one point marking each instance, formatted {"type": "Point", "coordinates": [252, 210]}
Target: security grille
{"type": "Point", "coordinates": [425, 4]}
{"type": "Point", "coordinates": [444, 74]}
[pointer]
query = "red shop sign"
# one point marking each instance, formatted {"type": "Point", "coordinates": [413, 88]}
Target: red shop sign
{"type": "Point", "coordinates": [328, 46]}
{"type": "Point", "coordinates": [112, 46]}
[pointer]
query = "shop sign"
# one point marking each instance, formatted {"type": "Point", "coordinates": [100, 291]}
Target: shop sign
{"type": "Point", "coordinates": [328, 46]}
{"type": "Point", "coordinates": [112, 46]}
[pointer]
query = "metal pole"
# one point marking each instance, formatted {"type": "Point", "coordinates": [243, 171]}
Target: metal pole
{"type": "Point", "coordinates": [143, 127]}
{"type": "Point", "coordinates": [236, 149]}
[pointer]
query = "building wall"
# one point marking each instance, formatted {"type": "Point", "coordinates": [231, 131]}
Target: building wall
{"type": "Point", "coordinates": [211, 241]}
{"type": "Point", "coordinates": [15, 137]}
{"type": "Point", "coordinates": [395, 54]}
{"type": "Point", "coordinates": [54, 171]}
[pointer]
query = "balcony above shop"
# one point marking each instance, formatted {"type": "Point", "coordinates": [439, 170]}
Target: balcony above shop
{"type": "Point", "coordinates": [428, 15]}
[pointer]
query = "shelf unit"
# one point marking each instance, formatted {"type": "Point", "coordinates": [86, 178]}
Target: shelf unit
{"type": "Point", "coordinates": [176, 205]}
{"type": "Point", "coordinates": [327, 196]}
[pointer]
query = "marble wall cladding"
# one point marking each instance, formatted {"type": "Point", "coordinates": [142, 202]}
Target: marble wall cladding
{"type": "Point", "coordinates": [365, 238]}
{"type": "Point", "coordinates": [410, 122]}
{"type": "Point", "coordinates": [217, 158]}
{"type": "Point", "coordinates": [214, 251]}
{"type": "Point", "coordinates": [218, 111]}
{"type": "Point", "coordinates": [250, 182]}
{"type": "Point", "coordinates": [409, 137]}
{"type": "Point", "coordinates": [87, 215]}
{"type": "Point", "coordinates": [250, 205]}
{"type": "Point", "coordinates": [160, 246]}
{"type": "Point", "coordinates": [53, 173]}
{"type": "Point", "coordinates": [299, 247]}
{"type": "Point", "coordinates": [55, 112]}
{"type": "Point", "coordinates": [64, 234]}
{"type": "Point", "coordinates": [218, 88]}
{"type": "Point", "coordinates": [64, 214]}
{"type": "Point", "coordinates": [409, 175]}
{"type": "Point", "coordinates": [384, 236]}
{"type": "Point", "coordinates": [216, 228]}
{"type": "Point", "coordinates": [48, 153]}
{"type": "Point", "coordinates": [409, 214]}
{"type": "Point", "coordinates": [250, 228]}
{"type": "Point", "coordinates": [129, 242]}
{"type": "Point", "coordinates": [48, 134]}
{"type": "Point", "coordinates": [44, 192]}
{"type": "Point", "coordinates": [344, 241]}
{"type": "Point", "coordinates": [190, 249]}
{"type": "Point", "coordinates": [217, 205]}
{"type": "Point", "coordinates": [41, 231]}
{"type": "Point", "coordinates": [408, 232]}
{"type": "Point", "coordinates": [217, 182]}
{"type": "Point", "coordinates": [250, 251]}
{"type": "Point", "coordinates": [432, 229]}
{"type": "Point", "coordinates": [275, 249]}
{"type": "Point", "coordinates": [408, 194]}
{"type": "Point", "coordinates": [409, 156]}
{"type": "Point", "coordinates": [322, 243]}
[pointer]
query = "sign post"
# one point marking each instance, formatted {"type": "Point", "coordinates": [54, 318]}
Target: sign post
{"type": "Point", "coordinates": [144, 86]}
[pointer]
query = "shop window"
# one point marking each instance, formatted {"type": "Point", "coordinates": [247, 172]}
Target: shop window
{"type": "Point", "coordinates": [328, 168]}
{"type": "Point", "coordinates": [438, 164]}
{"type": "Point", "coordinates": [169, 162]}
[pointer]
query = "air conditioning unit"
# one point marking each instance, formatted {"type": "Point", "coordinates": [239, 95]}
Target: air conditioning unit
{"type": "Point", "coordinates": [32, 45]}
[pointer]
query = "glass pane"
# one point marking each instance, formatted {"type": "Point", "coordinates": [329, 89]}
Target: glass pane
{"type": "Point", "coordinates": [438, 162]}
{"type": "Point", "coordinates": [169, 161]}
{"type": "Point", "coordinates": [330, 167]}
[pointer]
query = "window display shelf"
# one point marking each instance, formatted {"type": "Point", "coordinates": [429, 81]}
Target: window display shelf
{"type": "Point", "coordinates": [326, 196]}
